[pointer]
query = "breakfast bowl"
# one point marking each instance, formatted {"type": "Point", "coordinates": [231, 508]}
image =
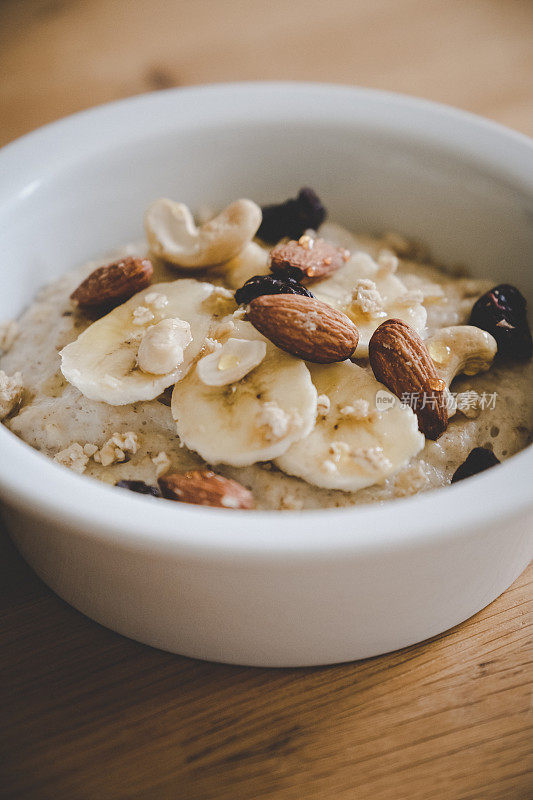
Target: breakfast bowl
{"type": "Point", "coordinates": [268, 588]}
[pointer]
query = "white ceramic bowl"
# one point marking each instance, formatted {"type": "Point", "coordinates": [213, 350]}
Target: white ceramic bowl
{"type": "Point", "coordinates": [257, 588]}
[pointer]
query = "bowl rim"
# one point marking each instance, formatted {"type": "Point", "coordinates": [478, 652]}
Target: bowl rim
{"type": "Point", "coordinates": [97, 510]}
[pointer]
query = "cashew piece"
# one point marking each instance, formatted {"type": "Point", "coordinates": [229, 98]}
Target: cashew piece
{"type": "Point", "coordinates": [231, 362]}
{"type": "Point", "coordinates": [11, 391]}
{"type": "Point", "coordinates": [461, 349]}
{"type": "Point", "coordinates": [174, 236]}
{"type": "Point", "coordinates": [162, 346]}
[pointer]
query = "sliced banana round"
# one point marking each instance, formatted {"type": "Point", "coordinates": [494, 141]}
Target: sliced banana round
{"type": "Point", "coordinates": [339, 236]}
{"type": "Point", "coordinates": [353, 444]}
{"type": "Point", "coordinates": [370, 293]}
{"type": "Point", "coordinates": [255, 419]}
{"type": "Point", "coordinates": [252, 260]}
{"type": "Point", "coordinates": [102, 362]}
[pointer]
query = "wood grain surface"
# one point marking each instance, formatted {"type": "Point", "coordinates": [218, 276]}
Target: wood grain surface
{"type": "Point", "coordinates": [87, 714]}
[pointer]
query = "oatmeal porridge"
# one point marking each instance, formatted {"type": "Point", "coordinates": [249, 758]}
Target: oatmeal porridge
{"type": "Point", "coordinates": [268, 358]}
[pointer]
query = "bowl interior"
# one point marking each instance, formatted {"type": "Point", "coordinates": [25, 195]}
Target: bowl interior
{"type": "Point", "coordinates": [81, 189]}
{"type": "Point", "coordinates": [78, 188]}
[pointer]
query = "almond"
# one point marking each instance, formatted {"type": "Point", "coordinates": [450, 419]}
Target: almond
{"type": "Point", "coordinates": [111, 285]}
{"type": "Point", "coordinates": [400, 360]}
{"type": "Point", "coordinates": [204, 487]}
{"type": "Point", "coordinates": [307, 259]}
{"type": "Point", "coordinates": [304, 327]}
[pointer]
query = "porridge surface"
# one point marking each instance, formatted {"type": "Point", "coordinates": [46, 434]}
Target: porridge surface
{"type": "Point", "coordinates": [55, 418]}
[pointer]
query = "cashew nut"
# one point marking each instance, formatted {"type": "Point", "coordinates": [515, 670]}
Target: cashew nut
{"type": "Point", "coordinates": [231, 362]}
{"type": "Point", "coordinates": [162, 346]}
{"type": "Point", "coordinates": [174, 236]}
{"type": "Point", "coordinates": [11, 391]}
{"type": "Point", "coordinates": [461, 349]}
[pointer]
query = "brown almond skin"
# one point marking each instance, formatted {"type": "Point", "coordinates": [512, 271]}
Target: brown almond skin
{"type": "Point", "coordinates": [109, 286]}
{"type": "Point", "coordinates": [307, 264]}
{"type": "Point", "coordinates": [203, 487]}
{"type": "Point", "coordinates": [304, 327]}
{"type": "Point", "coordinates": [400, 359]}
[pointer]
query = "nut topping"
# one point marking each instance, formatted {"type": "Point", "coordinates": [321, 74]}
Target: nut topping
{"type": "Point", "coordinates": [11, 392]}
{"type": "Point", "coordinates": [230, 362]}
{"type": "Point", "coordinates": [461, 349]}
{"type": "Point", "coordinates": [400, 360]}
{"type": "Point", "coordinates": [113, 284]}
{"type": "Point", "coordinates": [304, 327]}
{"type": "Point", "coordinates": [204, 487]}
{"type": "Point", "coordinates": [173, 235]}
{"type": "Point", "coordinates": [307, 259]}
{"type": "Point", "coordinates": [162, 347]}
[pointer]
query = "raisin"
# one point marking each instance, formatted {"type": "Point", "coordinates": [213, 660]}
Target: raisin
{"type": "Point", "coordinates": [293, 217]}
{"type": "Point", "coordinates": [268, 284]}
{"type": "Point", "coordinates": [140, 487]}
{"type": "Point", "coordinates": [478, 460]}
{"type": "Point", "coordinates": [502, 312]}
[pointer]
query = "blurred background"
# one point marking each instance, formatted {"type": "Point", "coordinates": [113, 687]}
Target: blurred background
{"type": "Point", "coordinates": [60, 56]}
{"type": "Point", "coordinates": [88, 709]}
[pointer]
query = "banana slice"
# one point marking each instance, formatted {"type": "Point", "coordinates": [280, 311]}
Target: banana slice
{"type": "Point", "coordinates": [252, 260]}
{"type": "Point", "coordinates": [256, 418]}
{"type": "Point", "coordinates": [102, 362]}
{"type": "Point", "coordinates": [339, 236]}
{"type": "Point", "coordinates": [370, 293]}
{"type": "Point", "coordinates": [353, 444]}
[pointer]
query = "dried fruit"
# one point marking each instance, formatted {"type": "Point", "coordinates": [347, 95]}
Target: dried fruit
{"type": "Point", "coordinates": [269, 284]}
{"type": "Point", "coordinates": [478, 460]}
{"type": "Point", "coordinates": [292, 218]}
{"type": "Point", "coordinates": [205, 488]}
{"type": "Point", "coordinates": [400, 360]}
{"type": "Point", "coordinates": [307, 259]}
{"type": "Point", "coordinates": [304, 327]}
{"type": "Point", "coordinates": [502, 312]}
{"type": "Point", "coordinates": [113, 284]}
{"type": "Point", "coordinates": [139, 486]}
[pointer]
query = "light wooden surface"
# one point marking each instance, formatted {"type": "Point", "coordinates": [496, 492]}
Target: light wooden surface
{"type": "Point", "coordinates": [87, 714]}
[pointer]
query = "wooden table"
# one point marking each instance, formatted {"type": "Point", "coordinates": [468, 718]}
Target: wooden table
{"type": "Point", "coordinates": [87, 714]}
